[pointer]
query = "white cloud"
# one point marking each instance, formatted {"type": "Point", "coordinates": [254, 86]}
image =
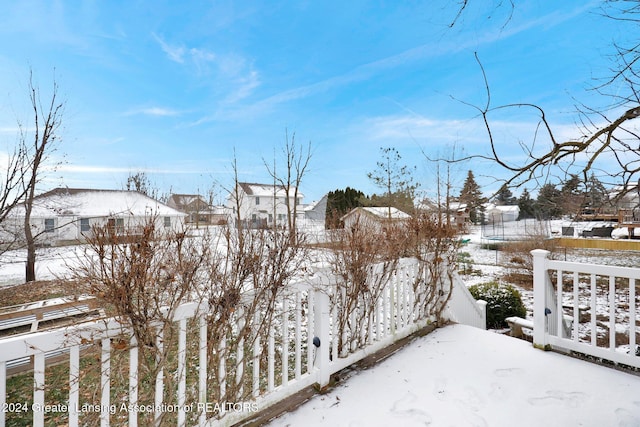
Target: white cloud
{"type": "Point", "coordinates": [175, 53]}
{"type": "Point", "coordinates": [154, 111]}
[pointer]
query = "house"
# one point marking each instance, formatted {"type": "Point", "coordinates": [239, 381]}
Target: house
{"type": "Point", "coordinates": [264, 205]}
{"type": "Point", "coordinates": [317, 210]}
{"type": "Point", "coordinates": [198, 210]}
{"type": "Point", "coordinates": [377, 218]}
{"type": "Point", "coordinates": [66, 215]}
{"type": "Point", "coordinates": [498, 214]}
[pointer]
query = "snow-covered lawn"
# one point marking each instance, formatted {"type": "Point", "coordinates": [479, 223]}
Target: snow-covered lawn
{"type": "Point", "coordinates": [461, 376]}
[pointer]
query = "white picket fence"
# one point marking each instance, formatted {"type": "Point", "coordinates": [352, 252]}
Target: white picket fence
{"type": "Point", "coordinates": [301, 350]}
{"type": "Point", "coordinates": [563, 290]}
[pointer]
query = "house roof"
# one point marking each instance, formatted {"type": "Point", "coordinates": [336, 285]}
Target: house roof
{"type": "Point", "coordinates": [96, 203]}
{"type": "Point", "coordinates": [185, 199]}
{"type": "Point", "coordinates": [311, 206]}
{"type": "Point", "coordinates": [503, 208]}
{"type": "Point", "coordinates": [379, 212]}
{"type": "Point", "coordinates": [266, 190]}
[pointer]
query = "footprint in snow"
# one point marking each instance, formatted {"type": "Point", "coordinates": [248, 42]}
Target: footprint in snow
{"type": "Point", "coordinates": [572, 399]}
{"type": "Point", "coordinates": [407, 407]}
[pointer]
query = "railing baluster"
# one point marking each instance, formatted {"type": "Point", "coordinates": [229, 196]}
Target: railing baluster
{"type": "Point", "coordinates": [74, 385]}
{"type": "Point", "coordinates": [256, 355]}
{"type": "Point", "coordinates": [38, 389]}
{"type": "Point", "coordinates": [559, 310]}
{"type": "Point", "coordinates": [182, 371]}
{"type": "Point", "coordinates": [222, 368]}
{"type": "Point", "coordinates": [612, 313]}
{"type": "Point", "coordinates": [298, 335]}
{"type": "Point", "coordinates": [240, 355]}
{"type": "Point", "coordinates": [632, 316]}
{"type": "Point", "coordinates": [105, 382]}
{"type": "Point", "coordinates": [576, 305]}
{"type": "Point", "coordinates": [159, 392]}
{"type": "Point", "coordinates": [594, 290]}
{"type": "Point", "coordinates": [271, 360]}
{"type": "Point", "coordinates": [285, 341]}
{"type": "Point", "coordinates": [133, 379]}
{"type": "Point", "coordinates": [334, 332]}
{"type": "Point", "coordinates": [202, 368]}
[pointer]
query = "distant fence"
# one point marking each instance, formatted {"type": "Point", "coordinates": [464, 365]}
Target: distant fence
{"type": "Point", "coordinates": [601, 309]}
{"type": "Point", "coordinates": [304, 346]}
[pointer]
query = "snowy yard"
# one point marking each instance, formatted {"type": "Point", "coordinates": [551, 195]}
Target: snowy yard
{"type": "Point", "coordinates": [461, 376]}
{"type": "Point", "coordinates": [456, 375]}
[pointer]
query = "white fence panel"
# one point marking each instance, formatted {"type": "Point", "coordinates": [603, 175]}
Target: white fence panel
{"type": "Point", "coordinates": [608, 293]}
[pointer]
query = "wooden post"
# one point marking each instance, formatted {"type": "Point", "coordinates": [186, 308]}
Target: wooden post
{"type": "Point", "coordinates": [540, 340]}
{"type": "Point", "coordinates": [321, 312]}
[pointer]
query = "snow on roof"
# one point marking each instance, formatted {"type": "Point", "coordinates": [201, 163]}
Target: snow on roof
{"type": "Point", "coordinates": [96, 203]}
{"type": "Point", "coordinates": [381, 212]}
{"type": "Point", "coordinates": [504, 208]}
{"type": "Point", "coordinates": [266, 190]}
{"type": "Point", "coordinates": [462, 376]}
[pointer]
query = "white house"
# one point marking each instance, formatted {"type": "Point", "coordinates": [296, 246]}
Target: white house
{"type": "Point", "coordinates": [264, 205]}
{"type": "Point", "coordinates": [376, 218]}
{"type": "Point", "coordinates": [498, 214]}
{"type": "Point", "coordinates": [68, 214]}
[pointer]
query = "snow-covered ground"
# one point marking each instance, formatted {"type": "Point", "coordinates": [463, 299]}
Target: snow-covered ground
{"type": "Point", "coordinates": [461, 376]}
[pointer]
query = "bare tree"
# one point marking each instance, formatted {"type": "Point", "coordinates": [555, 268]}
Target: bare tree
{"type": "Point", "coordinates": [606, 141]}
{"type": "Point", "coordinates": [47, 119]}
{"type": "Point", "coordinates": [395, 179]}
{"type": "Point", "coordinates": [12, 192]}
{"type": "Point", "coordinates": [297, 160]}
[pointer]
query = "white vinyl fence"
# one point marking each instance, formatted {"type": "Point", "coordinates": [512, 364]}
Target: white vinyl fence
{"type": "Point", "coordinates": [221, 382]}
{"type": "Point", "coordinates": [585, 308]}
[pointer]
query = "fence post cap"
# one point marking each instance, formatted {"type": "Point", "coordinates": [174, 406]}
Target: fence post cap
{"type": "Point", "coordinates": [540, 253]}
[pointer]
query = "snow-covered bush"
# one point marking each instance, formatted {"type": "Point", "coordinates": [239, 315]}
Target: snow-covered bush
{"type": "Point", "coordinates": [503, 300]}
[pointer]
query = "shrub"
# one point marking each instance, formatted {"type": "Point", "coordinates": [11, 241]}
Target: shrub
{"type": "Point", "coordinates": [503, 300]}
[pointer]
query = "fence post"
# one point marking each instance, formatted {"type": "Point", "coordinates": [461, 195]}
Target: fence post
{"type": "Point", "coordinates": [482, 304]}
{"type": "Point", "coordinates": [540, 336]}
{"type": "Point", "coordinates": [321, 313]}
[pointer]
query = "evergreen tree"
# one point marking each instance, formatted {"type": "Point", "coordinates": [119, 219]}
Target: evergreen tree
{"type": "Point", "coordinates": [548, 203]}
{"type": "Point", "coordinates": [596, 195]}
{"type": "Point", "coordinates": [505, 196]}
{"type": "Point", "coordinates": [472, 196]}
{"type": "Point", "coordinates": [572, 196]}
{"type": "Point", "coordinates": [526, 205]}
{"type": "Point", "coordinates": [341, 202]}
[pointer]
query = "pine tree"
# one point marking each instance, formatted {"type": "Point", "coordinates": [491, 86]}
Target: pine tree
{"type": "Point", "coordinates": [526, 205]}
{"type": "Point", "coordinates": [548, 203]}
{"type": "Point", "coordinates": [472, 196]}
{"type": "Point", "coordinates": [505, 196]}
{"type": "Point", "coordinates": [339, 203]}
{"type": "Point", "coordinates": [597, 196]}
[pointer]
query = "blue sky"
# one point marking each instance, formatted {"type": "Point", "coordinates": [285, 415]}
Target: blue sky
{"type": "Point", "coordinates": [174, 88]}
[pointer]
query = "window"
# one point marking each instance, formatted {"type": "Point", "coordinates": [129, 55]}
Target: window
{"type": "Point", "coordinates": [120, 225]}
{"type": "Point", "coordinates": [84, 225]}
{"type": "Point", "coordinates": [49, 225]}
{"type": "Point", "coordinates": [257, 200]}
{"type": "Point", "coordinates": [167, 221]}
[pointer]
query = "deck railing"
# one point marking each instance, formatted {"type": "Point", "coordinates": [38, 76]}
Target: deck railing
{"type": "Point", "coordinates": [303, 346]}
{"type": "Point", "coordinates": [587, 309]}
